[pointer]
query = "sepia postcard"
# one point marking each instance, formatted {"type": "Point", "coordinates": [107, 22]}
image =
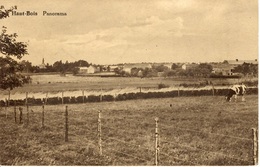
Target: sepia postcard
{"type": "Point", "coordinates": [129, 83]}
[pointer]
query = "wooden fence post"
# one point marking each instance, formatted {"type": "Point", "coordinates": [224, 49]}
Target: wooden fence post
{"type": "Point", "coordinates": [99, 133]}
{"type": "Point", "coordinates": [213, 92]}
{"type": "Point", "coordinates": [21, 115]}
{"type": "Point", "coordinates": [101, 96]}
{"type": "Point", "coordinates": [66, 124]}
{"type": "Point", "coordinates": [15, 111]}
{"type": "Point", "coordinates": [83, 97]}
{"type": "Point", "coordinates": [46, 99]}
{"type": "Point", "coordinates": [5, 108]}
{"type": "Point", "coordinates": [26, 98]}
{"type": "Point", "coordinates": [62, 102]}
{"type": "Point", "coordinates": [156, 142]}
{"type": "Point", "coordinates": [43, 116]}
{"type": "Point", "coordinates": [255, 146]}
{"type": "Point", "coordinates": [27, 109]}
{"type": "Point", "coordinates": [9, 94]}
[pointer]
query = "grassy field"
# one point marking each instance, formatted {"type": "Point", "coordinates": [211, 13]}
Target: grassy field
{"type": "Point", "coordinates": [55, 83]}
{"type": "Point", "coordinates": [193, 131]}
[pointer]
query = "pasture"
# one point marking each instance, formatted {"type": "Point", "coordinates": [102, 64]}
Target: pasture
{"type": "Point", "coordinates": [203, 130]}
{"type": "Point", "coordinates": [56, 83]}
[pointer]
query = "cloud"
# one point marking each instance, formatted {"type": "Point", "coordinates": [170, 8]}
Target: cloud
{"type": "Point", "coordinates": [118, 31]}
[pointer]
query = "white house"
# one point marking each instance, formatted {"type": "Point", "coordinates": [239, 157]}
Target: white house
{"type": "Point", "coordinates": [127, 67]}
{"type": "Point", "coordinates": [87, 70]}
{"type": "Point", "coordinates": [184, 66]}
{"type": "Point", "coordinates": [113, 67]}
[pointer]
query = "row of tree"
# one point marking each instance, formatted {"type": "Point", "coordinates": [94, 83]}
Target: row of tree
{"type": "Point", "coordinates": [247, 69]}
{"type": "Point", "coordinates": [195, 70]}
{"type": "Point", "coordinates": [58, 66]}
{"type": "Point", "coordinates": [203, 69]}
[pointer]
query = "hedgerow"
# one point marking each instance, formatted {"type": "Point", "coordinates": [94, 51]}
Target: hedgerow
{"type": "Point", "coordinates": [121, 97]}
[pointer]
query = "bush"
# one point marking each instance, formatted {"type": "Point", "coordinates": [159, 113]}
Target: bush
{"type": "Point", "coordinates": [73, 100]}
{"type": "Point", "coordinates": [93, 98]}
{"type": "Point", "coordinates": [161, 85]}
{"type": "Point", "coordinates": [251, 91]}
{"type": "Point", "coordinates": [251, 83]}
{"type": "Point", "coordinates": [2, 103]}
{"type": "Point", "coordinates": [131, 96]}
{"type": "Point", "coordinates": [126, 96]}
{"type": "Point", "coordinates": [66, 100]}
{"type": "Point", "coordinates": [121, 97]}
{"type": "Point", "coordinates": [80, 99]}
{"type": "Point", "coordinates": [107, 98]}
{"type": "Point", "coordinates": [19, 102]}
{"type": "Point", "coordinates": [53, 100]}
{"type": "Point", "coordinates": [38, 102]}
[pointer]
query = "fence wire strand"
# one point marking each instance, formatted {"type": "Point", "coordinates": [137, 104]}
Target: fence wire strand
{"type": "Point", "coordinates": [218, 134]}
{"type": "Point", "coordinates": [129, 155]}
{"type": "Point", "coordinates": [179, 159]}
{"type": "Point", "coordinates": [212, 152]}
{"type": "Point", "coordinates": [117, 130]}
{"type": "Point", "coordinates": [130, 144]}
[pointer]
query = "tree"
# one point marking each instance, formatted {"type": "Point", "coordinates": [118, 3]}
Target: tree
{"type": "Point", "coordinates": [225, 62]}
{"type": "Point", "coordinates": [205, 69]}
{"type": "Point", "coordinates": [247, 69]}
{"type": "Point", "coordinates": [27, 66]}
{"type": "Point", "coordinates": [174, 66]}
{"type": "Point", "coordinates": [10, 69]}
{"type": "Point", "coordinates": [161, 68]}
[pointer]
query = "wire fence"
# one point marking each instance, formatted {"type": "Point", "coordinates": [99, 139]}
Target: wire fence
{"type": "Point", "coordinates": [209, 133]}
{"type": "Point", "coordinates": [113, 145]}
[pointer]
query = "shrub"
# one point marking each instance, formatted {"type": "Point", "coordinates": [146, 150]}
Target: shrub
{"type": "Point", "coordinates": [11, 102]}
{"type": "Point", "coordinates": [131, 96]}
{"type": "Point", "coordinates": [161, 85]}
{"type": "Point", "coordinates": [121, 97]}
{"type": "Point", "coordinates": [53, 100]}
{"type": "Point", "coordinates": [38, 102]}
{"type": "Point", "coordinates": [252, 91]}
{"type": "Point", "coordinates": [66, 100]}
{"type": "Point", "coordinates": [80, 99]}
{"type": "Point", "coordinates": [73, 100]}
{"type": "Point", "coordinates": [251, 83]}
{"type": "Point", "coordinates": [19, 102]}
{"type": "Point", "coordinates": [31, 100]}
{"type": "Point", "coordinates": [93, 98]}
{"type": "Point", "coordinates": [2, 103]}
{"type": "Point", "coordinates": [108, 98]}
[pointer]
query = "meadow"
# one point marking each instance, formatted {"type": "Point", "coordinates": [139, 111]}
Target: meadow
{"type": "Point", "coordinates": [202, 130]}
{"type": "Point", "coordinates": [54, 85]}
{"type": "Point", "coordinates": [57, 83]}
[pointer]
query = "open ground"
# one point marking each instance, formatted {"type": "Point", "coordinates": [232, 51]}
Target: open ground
{"type": "Point", "coordinates": [202, 130]}
{"type": "Point", "coordinates": [56, 83]}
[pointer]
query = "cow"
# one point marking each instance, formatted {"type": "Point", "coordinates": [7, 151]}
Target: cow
{"type": "Point", "coordinates": [236, 90]}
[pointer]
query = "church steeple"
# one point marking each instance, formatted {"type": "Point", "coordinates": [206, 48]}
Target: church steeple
{"type": "Point", "coordinates": [42, 66]}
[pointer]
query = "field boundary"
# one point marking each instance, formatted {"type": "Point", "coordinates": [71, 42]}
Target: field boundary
{"type": "Point", "coordinates": [62, 99]}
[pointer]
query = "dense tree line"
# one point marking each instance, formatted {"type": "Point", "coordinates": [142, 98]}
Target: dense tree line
{"type": "Point", "coordinates": [57, 66]}
{"type": "Point", "coordinates": [247, 69]}
{"type": "Point", "coordinates": [202, 70]}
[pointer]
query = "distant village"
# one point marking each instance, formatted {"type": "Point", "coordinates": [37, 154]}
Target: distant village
{"type": "Point", "coordinates": [227, 68]}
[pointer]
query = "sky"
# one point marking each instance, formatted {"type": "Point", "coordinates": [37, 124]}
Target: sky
{"type": "Point", "coordinates": [132, 31]}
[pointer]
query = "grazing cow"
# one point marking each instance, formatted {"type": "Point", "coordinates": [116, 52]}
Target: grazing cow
{"type": "Point", "coordinates": [236, 90]}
